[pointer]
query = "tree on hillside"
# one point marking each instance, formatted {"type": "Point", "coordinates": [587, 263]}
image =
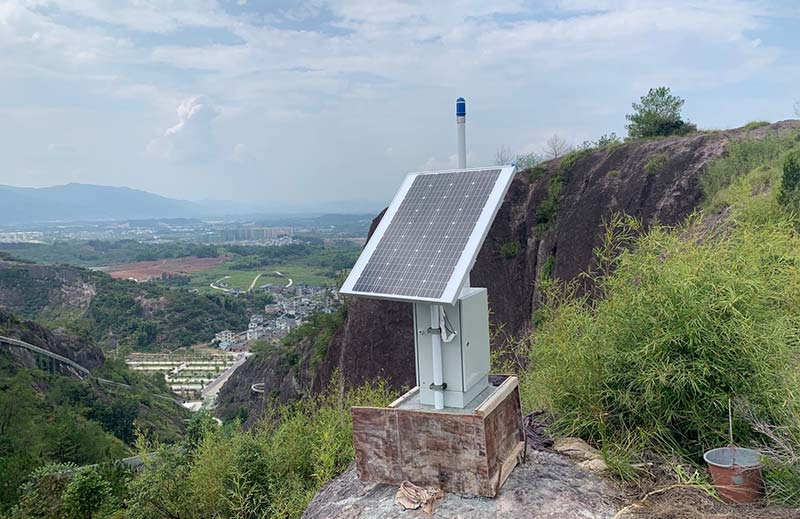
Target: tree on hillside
{"type": "Point", "coordinates": [503, 156]}
{"type": "Point", "coordinates": [528, 160]}
{"type": "Point", "coordinates": [85, 494]}
{"type": "Point", "coordinates": [658, 113]}
{"type": "Point", "coordinates": [556, 146]}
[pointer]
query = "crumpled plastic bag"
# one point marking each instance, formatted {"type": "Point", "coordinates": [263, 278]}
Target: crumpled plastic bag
{"type": "Point", "coordinates": [411, 497]}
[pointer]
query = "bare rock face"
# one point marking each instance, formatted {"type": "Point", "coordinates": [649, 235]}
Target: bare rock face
{"type": "Point", "coordinates": [547, 486]}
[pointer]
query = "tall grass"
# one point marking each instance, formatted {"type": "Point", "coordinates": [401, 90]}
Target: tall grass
{"type": "Point", "coordinates": [741, 157]}
{"type": "Point", "coordinates": [686, 323]}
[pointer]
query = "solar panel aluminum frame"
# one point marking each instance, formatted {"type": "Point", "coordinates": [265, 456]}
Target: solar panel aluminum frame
{"type": "Point", "coordinates": [468, 255]}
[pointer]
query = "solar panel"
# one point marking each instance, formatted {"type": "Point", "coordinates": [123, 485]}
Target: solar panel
{"type": "Point", "coordinates": [429, 237]}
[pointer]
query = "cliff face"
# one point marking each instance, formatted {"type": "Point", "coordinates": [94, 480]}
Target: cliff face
{"type": "Point", "coordinates": [44, 291]}
{"type": "Point", "coordinates": [550, 223]}
{"type": "Point", "coordinates": [286, 375]}
{"type": "Point", "coordinates": [56, 341]}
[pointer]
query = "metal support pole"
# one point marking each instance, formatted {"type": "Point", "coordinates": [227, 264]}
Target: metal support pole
{"type": "Point", "coordinates": [436, 348]}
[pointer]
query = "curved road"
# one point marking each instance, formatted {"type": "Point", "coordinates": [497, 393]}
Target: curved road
{"type": "Point", "coordinates": [213, 284]}
{"type": "Point", "coordinates": [253, 283]}
{"type": "Point", "coordinates": [283, 276]}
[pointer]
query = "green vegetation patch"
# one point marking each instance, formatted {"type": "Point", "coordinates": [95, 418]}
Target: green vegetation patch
{"type": "Point", "coordinates": [536, 173]}
{"type": "Point", "coordinates": [789, 195]}
{"type": "Point", "coordinates": [509, 249]}
{"type": "Point", "coordinates": [319, 329]}
{"type": "Point", "coordinates": [741, 157]}
{"type": "Point", "coordinates": [655, 163]}
{"type": "Point", "coordinates": [657, 114]}
{"type": "Point", "coordinates": [548, 267]}
{"type": "Point", "coordinates": [51, 418]}
{"type": "Point", "coordinates": [685, 321]}
{"type": "Point", "coordinates": [752, 125]}
{"type": "Point", "coordinates": [95, 253]}
{"type": "Point", "coordinates": [686, 324]}
{"type": "Point", "coordinates": [269, 471]}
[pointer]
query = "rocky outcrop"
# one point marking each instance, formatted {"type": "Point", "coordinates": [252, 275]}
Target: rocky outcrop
{"type": "Point", "coordinates": [549, 225]}
{"type": "Point", "coordinates": [286, 374]}
{"type": "Point", "coordinates": [547, 486]}
{"type": "Point", "coordinates": [56, 341]}
{"type": "Point", "coordinates": [43, 290]}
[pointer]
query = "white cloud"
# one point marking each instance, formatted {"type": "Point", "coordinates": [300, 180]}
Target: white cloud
{"type": "Point", "coordinates": [190, 138]}
{"type": "Point", "coordinates": [348, 84]}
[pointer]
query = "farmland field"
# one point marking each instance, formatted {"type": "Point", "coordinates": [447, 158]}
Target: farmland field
{"type": "Point", "coordinates": [241, 279]}
{"type": "Point", "coordinates": [145, 270]}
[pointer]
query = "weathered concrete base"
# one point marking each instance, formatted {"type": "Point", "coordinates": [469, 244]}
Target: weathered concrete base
{"type": "Point", "coordinates": [546, 486]}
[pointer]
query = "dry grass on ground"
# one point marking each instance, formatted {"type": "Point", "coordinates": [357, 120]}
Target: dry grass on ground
{"type": "Point", "coordinates": [690, 503]}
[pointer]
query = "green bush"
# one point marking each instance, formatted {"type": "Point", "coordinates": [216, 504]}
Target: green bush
{"type": "Point", "coordinates": [527, 161]}
{"type": "Point", "coordinates": [655, 164]}
{"type": "Point", "coordinates": [40, 495]}
{"type": "Point", "coordinates": [686, 322]}
{"type": "Point", "coordinates": [509, 249]}
{"type": "Point", "coordinates": [547, 208]}
{"type": "Point", "coordinates": [85, 494]}
{"type": "Point", "coordinates": [789, 195]}
{"type": "Point", "coordinates": [782, 460]}
{"type": "Point", "coordinates": [548, 267]}
{"type": "Point", "coordinates": [608, 141]}
{"type": "Point", "coordinates": [658, 114]}
{"type": "Point", "coordinates": [752, 125]}
{"type": "Point", "coordinates": [536, 173]}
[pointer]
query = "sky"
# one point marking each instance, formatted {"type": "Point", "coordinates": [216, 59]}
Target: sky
{"type": "Point", "coordinates": [327, 104]}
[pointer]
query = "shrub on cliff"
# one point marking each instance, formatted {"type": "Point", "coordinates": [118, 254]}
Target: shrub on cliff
{"type": "Point", "coordinates": [657, 114]}
{"type": "Point", "coordinates": [789, 195]}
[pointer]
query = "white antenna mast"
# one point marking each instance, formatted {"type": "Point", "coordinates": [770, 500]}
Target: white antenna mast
{"type": "Point", "coordinates": [461, 121]}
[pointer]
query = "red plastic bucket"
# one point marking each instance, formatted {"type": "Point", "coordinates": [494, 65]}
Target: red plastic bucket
{"type": "Point", "coordinates": [736, 473]}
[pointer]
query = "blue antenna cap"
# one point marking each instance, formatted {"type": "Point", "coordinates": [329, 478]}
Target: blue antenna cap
{"type": "Point", "coordinates": [461, 107]}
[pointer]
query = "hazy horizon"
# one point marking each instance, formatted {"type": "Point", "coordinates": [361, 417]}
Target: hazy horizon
{"type": "Point", "coordinates": [326, 101]}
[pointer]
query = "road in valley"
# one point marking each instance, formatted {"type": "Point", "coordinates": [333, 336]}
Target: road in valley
{"type": "Point", "coordinates": [253, 284]}
{"type": "Point", "coordinates": [211, 390]}
{"type": "Point", "coordinates": [283, 276]}
{"type": "Point", "coordinates": [213, 284]}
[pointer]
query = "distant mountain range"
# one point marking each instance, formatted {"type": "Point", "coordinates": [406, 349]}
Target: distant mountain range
{"type": "Point", "coordinates": [79, 202]}
{"type": "Point", "coordinates": [87, 202]}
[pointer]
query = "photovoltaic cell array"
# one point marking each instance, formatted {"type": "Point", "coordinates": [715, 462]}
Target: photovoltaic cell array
{"type": "Point", "coordinates": [417, 254]}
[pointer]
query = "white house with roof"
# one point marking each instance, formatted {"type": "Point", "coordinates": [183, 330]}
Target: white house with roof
{"type": "Point", "coordinates": [225, 336]}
